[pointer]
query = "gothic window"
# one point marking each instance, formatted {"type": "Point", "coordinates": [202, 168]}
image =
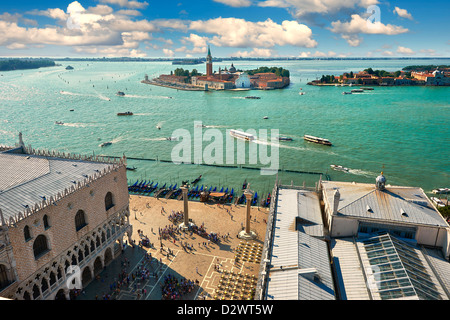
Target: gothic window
{"type": "Point", "coordinates": [46, 223]}
{"type": "Point", "coordinates": [44, 284]}
{"type": "Point", "coordinates": [4, 281]}
{"type": "Point", "coordinates": [80, 220]}
{"type": "Point", "coordinates": [109, 201]}
{"type": "Point", "coordinates": [52, 278]}
{"type": "Point", "coordinates": [40, 246]}
{"type": "Point", "coordinates": [27, 233]}
{"type": "Point", "coordinates": [36, 292]}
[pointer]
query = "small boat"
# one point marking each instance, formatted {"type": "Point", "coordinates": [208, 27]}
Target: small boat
{"type": "Point", "coordinates": [128, 113]}
{"type": "Point", "coordinates": [120, 93]}
{"type": "Point", "coordinates": [284, 138]}
{"type": "Point", "coordinates": [441, 190]}
{"type": "Point", "coordinates": [158, 127]}
{"type": "Point", "coordinates": [105, 144]}
{"type": "Point", "coordinates": [357, 90]}
{"type": "Point", "coordinates": [317, 140]}
{"type": "Point", "coordinates": [366, 88]}
{"type": "Point", "coordinates": [196, 180]}
{"type": "Point", "coordinates": [200, 126]}
{"type": "Point", "coordinates": [71, 110]}
{"type": "Point", "coordinates": [437, 202]}
{"type": "Point", "coordinates": [59, 122]}
{"type": "Point", "coordinates": [242, 135]}
{"type": "Point", "coordinates": [266, 117]}
{"type": "Point", "coordinates": [346, 92]}
{"type": "Point", "coordinates": [301, 93]}
{"type": "Point", "coordinates": [252, 97]}
{"type": "Point", "coordinates": [171, 138]}
{"type": "Point", "coordinates": [131, 168]}
{"type": "Point", "coordinates": [338, 168]}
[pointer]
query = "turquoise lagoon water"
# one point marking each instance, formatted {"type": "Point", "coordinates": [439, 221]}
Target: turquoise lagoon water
{"type": "Point", "coordinates": [402, 131]}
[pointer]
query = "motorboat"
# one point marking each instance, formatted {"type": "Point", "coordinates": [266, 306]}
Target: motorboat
{"type": "Point", "coordinates": [128, 113]}
{"type": "Point", "coordinates": [105, 144]}
{"type": "Point", "coordinates": [59, 122]}
{"type": "Point", "coordinates": [158, 127]}
{"type": "Point", "coordinates": [172, 138]}
{"type": "Point", "coordinates": [252, 97]}
{"type": "Point", "coordinates": [357, 90]}
{"type": "Point", "coordinates": [265, 117]}
{"type": "Point", "coordinates": [284, 138]}
{"type": "Point", "coordinates": [317, 140]}
{"type": "Point", "coordinates": [301, 93]}
{"type": "Point", "coordinates": [242, 135]}
{"type": "Point", "coordinates": [339, 168]}
{"type": "Point", "coordinates": [437, 202]}
{"type": "Point", "coordinates": [366, 88]}
{"type": "Point", "coordinates": [346, 92]}
{"type": "Point", "coordinates": [131, 168]}
{"type": "Point", "coordinates": [120, 93]}
{"type": "Point", "coordinates": [441, 190]}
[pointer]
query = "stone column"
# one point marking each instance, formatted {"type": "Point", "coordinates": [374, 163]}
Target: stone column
{"type": "Point", "coordinates": [185, 224]}
{"type": "Point", "coordinates": [247, 234]}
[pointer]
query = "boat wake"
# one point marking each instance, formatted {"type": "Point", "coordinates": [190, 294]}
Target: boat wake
{"type": "Point", "coordinates": [154, 139]}
{"type": "Point", "coordinates": [359, 172]}
{"type": "Point", "coordinates": [76, 125]}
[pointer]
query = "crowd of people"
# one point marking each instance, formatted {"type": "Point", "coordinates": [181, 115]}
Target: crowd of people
{"type": "Point", "coordinates": [176, 216]}
{"type": "Point", "coordinates": [174, 289]}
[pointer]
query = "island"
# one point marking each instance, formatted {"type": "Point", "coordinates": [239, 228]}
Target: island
{"type": "Point", "coordinates": [262, 78]}
{"type": "Point", "coordinates": [421, 75]}
{"type": "Point", "coordinates": [24, 64]}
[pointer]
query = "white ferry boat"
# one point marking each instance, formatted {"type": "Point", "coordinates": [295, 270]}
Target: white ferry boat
{"type": "Point", "coordinates": [437, 202]}
{"type": "Point", "coordinates": [441, 190]}
{"type": "Point", "coordinates": [339, 168]}
{"type": "Point", "coordinates": [242, 135]}
{"type": "Point", "coordinates": [317, 140]}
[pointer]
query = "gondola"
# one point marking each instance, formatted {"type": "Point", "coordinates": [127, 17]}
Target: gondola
{"type": "Point", "coordinates": [196, 180]}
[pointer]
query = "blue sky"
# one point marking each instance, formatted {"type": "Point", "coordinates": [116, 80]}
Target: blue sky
{"type": "Point", "coordinates": [246, 28]}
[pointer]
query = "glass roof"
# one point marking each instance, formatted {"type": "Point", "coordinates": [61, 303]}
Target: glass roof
{"type": "Point", "coordinates": [397, 270]}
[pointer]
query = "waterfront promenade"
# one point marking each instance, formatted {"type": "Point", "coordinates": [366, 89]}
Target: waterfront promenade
{"type": "Point", "coordinates": [205, 263]}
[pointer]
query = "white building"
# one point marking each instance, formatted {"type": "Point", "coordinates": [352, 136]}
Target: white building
{"type": "Point", "coordinates": [243, 81]}
{"type": "Point", "coordinates": [58, 213]}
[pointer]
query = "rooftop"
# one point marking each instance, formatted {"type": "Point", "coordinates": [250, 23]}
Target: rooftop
{"type": "Point", "coordinates": [394, 204]}
{"type": "Point", "coordinates": [299, 267]}
{"type": "Point", "coordinates": [29, 181]}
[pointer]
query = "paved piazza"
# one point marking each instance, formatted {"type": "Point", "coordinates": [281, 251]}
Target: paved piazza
{"type": "Point", "coordinates": [212, 266]}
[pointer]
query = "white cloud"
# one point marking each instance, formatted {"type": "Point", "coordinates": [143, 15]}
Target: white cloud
{"type": "Point", "coordinates": [127, 4]}
{"type": "Point", "coordinates": [317, 54]}
{"type": "Point", "coordinates": [256, 52]}
{"type": "Point", "coordinates": [358, 24]}
{"type": "Point", "coordinates": [301, 8]}
{"type": "Point", "coordinates": [403, 13]}
{"type": "Point", "coordinates": [233, 32]}
{"type": "Point", "coordinates": [404, 50]}
{"type": "Point", "coordinates": [168, 52]}
{"type": "Point", "coordinates": [236, 3]}
{"type": "Point", "coordinates": [196, 40]}
{"type": "Point", "coordinates": [353, 40]}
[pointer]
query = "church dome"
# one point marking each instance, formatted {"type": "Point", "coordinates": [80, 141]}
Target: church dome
{"type": "Point", "coordinates": [380, 182]}
{"type": "Point", "coordinates": [232, 68]}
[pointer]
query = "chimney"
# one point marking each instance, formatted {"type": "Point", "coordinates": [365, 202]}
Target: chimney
{"type": "Point", "coordinates": [337, 197]}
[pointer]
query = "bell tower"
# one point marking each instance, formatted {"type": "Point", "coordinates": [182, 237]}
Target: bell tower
{"type": "Point", "coordinates": [209, 63]}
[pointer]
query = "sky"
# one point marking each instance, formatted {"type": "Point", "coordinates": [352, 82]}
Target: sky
{"type": "Point", "coordinates": [232, 28]}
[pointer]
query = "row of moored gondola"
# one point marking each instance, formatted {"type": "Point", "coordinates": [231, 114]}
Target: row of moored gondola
{"type": "Point", "coordinates": [149, 188]}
